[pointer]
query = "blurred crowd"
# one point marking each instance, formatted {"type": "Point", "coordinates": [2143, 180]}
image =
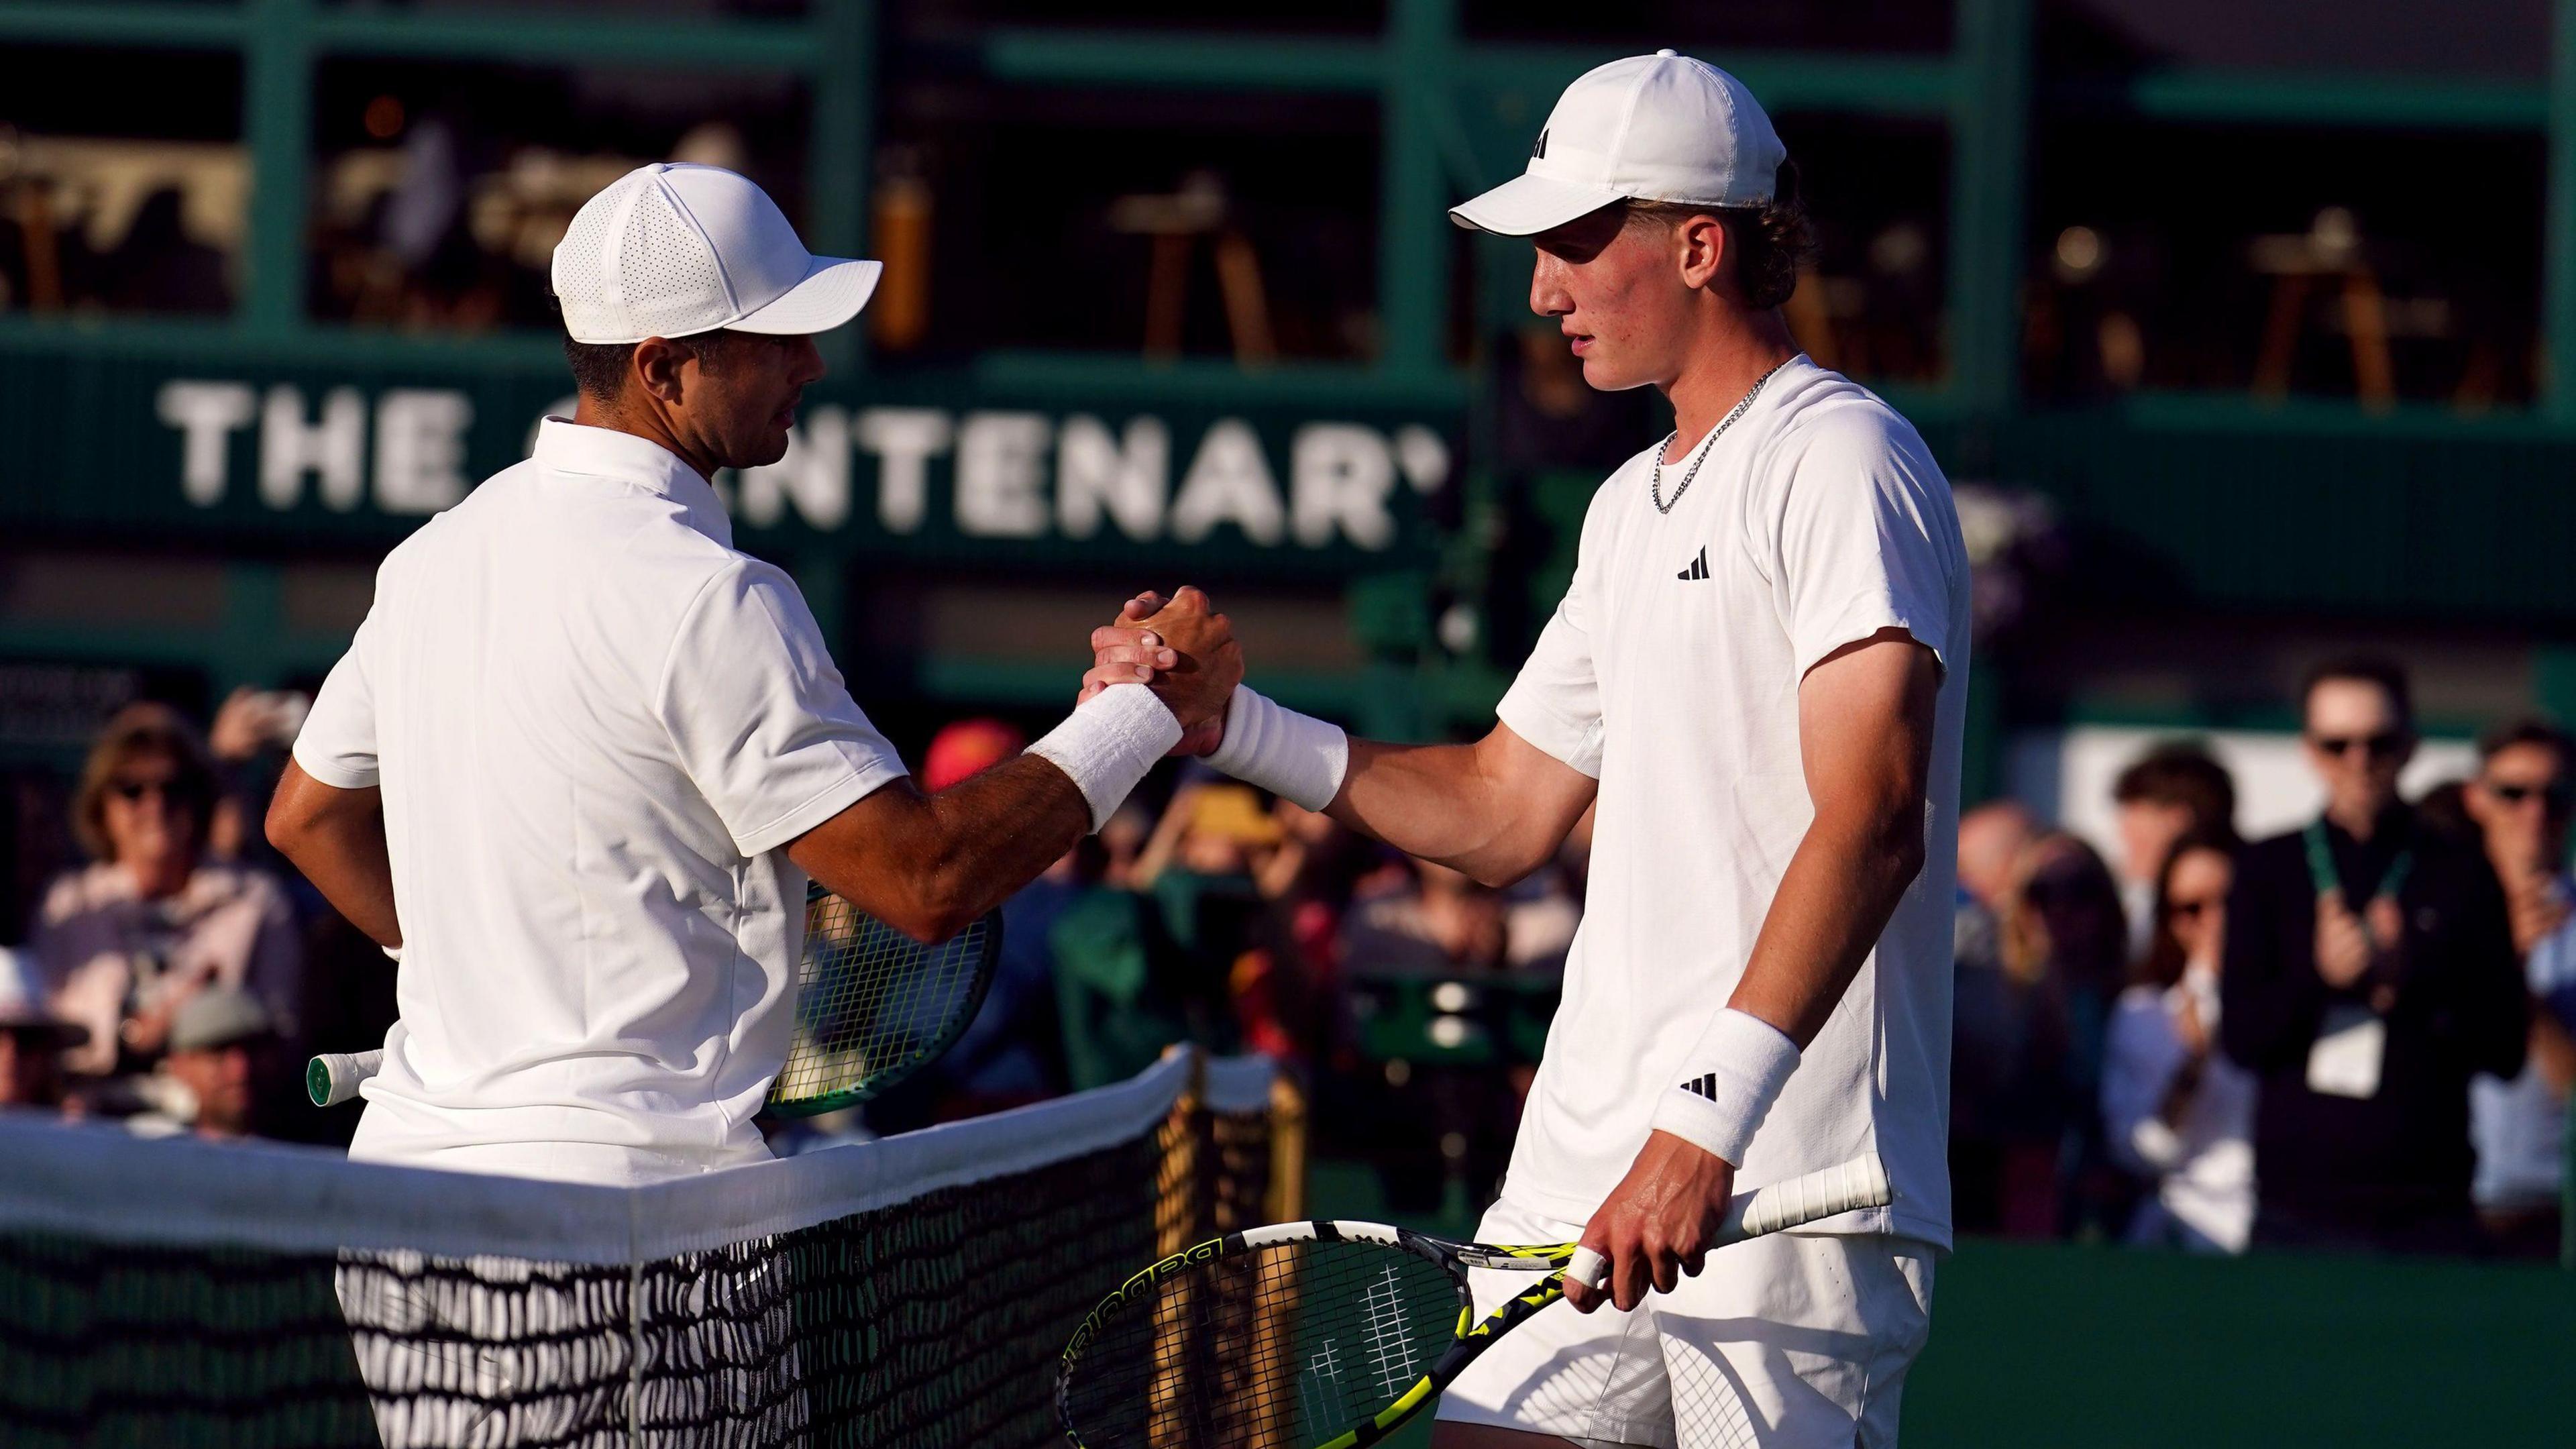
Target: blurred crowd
{"type": "Point", "coordinates": [2355, 1035]}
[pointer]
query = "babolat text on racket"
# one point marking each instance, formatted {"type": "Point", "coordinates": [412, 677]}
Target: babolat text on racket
{"type": "Point", "coordinates": [1330, 1335]}
{"type": "Point", "coordinates": [873, 1006]}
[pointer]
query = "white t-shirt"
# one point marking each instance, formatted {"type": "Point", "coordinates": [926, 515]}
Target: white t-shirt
{"type": "Point", "coordinates": [596, 725]}
{"type": "Point", "coordinates": [1671, 673]}
{"type": "Point", "coordinates": [2204, 1171]}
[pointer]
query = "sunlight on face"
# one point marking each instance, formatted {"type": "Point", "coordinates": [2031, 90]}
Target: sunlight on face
{"type": "Point", "coordinates": [1617, 294]}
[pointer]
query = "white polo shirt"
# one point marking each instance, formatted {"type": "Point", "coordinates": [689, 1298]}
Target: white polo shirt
{"type": "Point", "coordinates": [1671, 673]}
{"type": "Point", "coordinates": [596, 726]}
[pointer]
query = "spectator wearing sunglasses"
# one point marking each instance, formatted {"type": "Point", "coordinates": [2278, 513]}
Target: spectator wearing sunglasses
{"type": "Point", "coordinates": [2173, 790]}
{"type": "Point", "coordinates": [125, 942]}
{"type": "Point", "coordinates": [2174, 1108]}
{"type": "Point", "coordinates": [2521, 799]}
{"type": "Point", "coordinates": [2369, 973]}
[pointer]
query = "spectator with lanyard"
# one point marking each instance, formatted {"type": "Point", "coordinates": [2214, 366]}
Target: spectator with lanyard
{"type": "Point", "coordinates": [2369, 973]}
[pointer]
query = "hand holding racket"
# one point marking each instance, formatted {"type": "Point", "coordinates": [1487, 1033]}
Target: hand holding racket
{"type": "Point", "coordinates": [873, 1006]}
{"type": "Point", "coordinates": [1329, 1335]}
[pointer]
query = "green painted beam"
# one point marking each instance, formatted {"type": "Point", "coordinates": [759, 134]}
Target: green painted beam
{"type": "Point", "coordinates": [2412, 102]}
{"type": "Point", "coordinates": [2558, 229]}
{"type": "Point", "coordinates": [1091, 375]}
{"type": "Point", "coordinates": [572, 39]}
{"type": "Point", "coordinates": [498, 34]}
{"type": "Point", "coordinates": [277, 130]}
{"type": "Point", "coordinates": [229, 655]}
{"type": "Point", "coordinates": [159, 26]}
{"type": "Point", "coordinates": [1056, 56]}
{"type": "Point", "coordinates": [1785, 80]}
{"type": "Point", "coordinates": [840, 160]}
{"type": "Point", "coordinates": [191, 341]}
{"type": "Point", "coordinates": [1414, 248]}
{"type": "Point", "coordinates": [1989, 178]}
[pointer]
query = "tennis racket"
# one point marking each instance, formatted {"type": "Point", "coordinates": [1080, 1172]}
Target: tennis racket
{"type": "Point", "coordinates": [873, 1006]}
{"type": "Point", "coordinates": [1330, 1335]}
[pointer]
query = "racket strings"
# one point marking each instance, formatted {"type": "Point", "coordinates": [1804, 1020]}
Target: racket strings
{"type": "Point", "coordinates": [1279, 1349]}
{"type": "Point", "coordinates": [870, 999]}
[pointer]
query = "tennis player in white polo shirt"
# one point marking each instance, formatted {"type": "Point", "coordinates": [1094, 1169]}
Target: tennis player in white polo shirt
{"type": "Point", "coordinates": [1757, 678]}
{"type": "Point", "coordinates": [583, 753]}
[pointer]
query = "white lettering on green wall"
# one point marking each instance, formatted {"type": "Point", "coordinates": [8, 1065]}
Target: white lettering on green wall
{"type": "Point", "coordinates": [996, 474]}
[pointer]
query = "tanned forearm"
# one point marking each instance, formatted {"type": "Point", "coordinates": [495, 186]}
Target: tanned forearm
{"type": "Point", "coordinates": [1496, 809]}
{"type": "Point", "coordinates": [337, 839]}
{"type": "Point", "coordinates": [929, 865]}
{"type": "Point", "coordinates": [1865, 726]}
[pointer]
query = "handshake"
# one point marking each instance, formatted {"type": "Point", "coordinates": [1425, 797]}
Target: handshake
{"type": "Point", "coordinates": [1182, 650]}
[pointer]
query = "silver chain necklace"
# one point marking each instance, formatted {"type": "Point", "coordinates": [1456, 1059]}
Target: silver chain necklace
{"type": "Point", "coordinates": [1699, 455]}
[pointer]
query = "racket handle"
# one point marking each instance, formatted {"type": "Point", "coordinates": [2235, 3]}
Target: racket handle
{"type": "Point", "coordinates": [1859, 1183]}
{"type": "Point", "coordinates": [333, 1077]}
{"type": "Point", "coordinates": [1588, 1268]}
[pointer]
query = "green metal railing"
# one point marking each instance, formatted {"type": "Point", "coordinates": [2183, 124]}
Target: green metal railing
{"type": "Point", "coordinates": [1455, 114]}
{"type": "Point", "coordinates": [1424, 75]}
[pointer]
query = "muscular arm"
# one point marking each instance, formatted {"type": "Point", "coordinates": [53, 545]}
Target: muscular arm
{"type": "Point", "coordinates": [929, 865]}
{"type": "Point", "coordinates": [1496, 809]}
{"type": "Point", "coordinates": [1865, 738]}
{"type": "Point", "coordinates": [337, 838]}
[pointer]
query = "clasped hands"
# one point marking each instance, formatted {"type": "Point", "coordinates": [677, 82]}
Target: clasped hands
{"type": "Point", "coordinates": [1180, 648]}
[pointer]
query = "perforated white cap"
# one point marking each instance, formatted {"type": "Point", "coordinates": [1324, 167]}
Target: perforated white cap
{"type": "Point", "coordinates": [671, 250]}
{"type": "Point", "coordinates": [1659, 127]}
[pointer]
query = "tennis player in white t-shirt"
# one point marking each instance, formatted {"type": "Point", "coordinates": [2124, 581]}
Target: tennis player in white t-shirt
{"type": "Point", "coordinates": [583, 753]}
{"type": "Point", "coordinates": [1757, 679]}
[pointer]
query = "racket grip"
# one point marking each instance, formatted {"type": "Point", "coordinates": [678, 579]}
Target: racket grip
{"type": "Point", "coordinates": [1859, 1183]}
{"type": "Point", "coordinates": [333, 1077]}
{"type": "Point", "coordinates": [1588, 1268]}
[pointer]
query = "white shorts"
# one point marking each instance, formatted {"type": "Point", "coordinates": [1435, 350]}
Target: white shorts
{"type": "Point", "coordinates": [1791, 1341]}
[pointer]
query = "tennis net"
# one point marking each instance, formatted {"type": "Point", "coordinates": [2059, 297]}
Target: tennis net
{"type": "Point", "coordinates": [914, 1291]}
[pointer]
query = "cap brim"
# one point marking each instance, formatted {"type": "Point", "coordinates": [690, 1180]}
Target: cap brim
{"type": "Point", "coordinates": [1527, 205]}
{"type": "Point", "coordinates": [833, 291]}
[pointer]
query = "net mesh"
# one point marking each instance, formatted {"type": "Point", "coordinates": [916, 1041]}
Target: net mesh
{"type": "Point", "coordinates": [930, 1318]}
{"type": "Point", "coordinates": [873, 1005]}
{"type": "Point", "coordinates": [1284, 1348]}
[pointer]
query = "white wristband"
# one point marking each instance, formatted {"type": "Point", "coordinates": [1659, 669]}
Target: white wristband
{"type": "Point", "coordinates": [1293, 756]}
{"type": "Point", "coordinates": [1108, 743]}
{"type": "Point", "coordinates": [1743, 1063]}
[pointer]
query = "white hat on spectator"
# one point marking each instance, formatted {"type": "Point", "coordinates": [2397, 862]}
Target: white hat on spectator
{"type": "Point", "coordinates": [1659, 127]}
{"type": "Point", "coordinates": [218, 1016]}
{"type": "Point", "coordinates": [671, 250]}
{"type": "Point", "coordinates": [22, 1006]}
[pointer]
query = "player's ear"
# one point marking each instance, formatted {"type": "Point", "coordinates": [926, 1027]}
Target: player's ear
{"type": "Point", "coordinates": [1699, 250]}
{"type": "Point", "coordinates": [657, 367]}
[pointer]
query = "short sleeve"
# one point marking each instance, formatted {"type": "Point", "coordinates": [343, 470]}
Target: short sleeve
{"type": "Point", "coordinates": [760, 717]}
{"type": "Point", "coordinates": [1867, 542]}
{"type": "Point", "coordinates": [337, 745]}
{"type": "Point", "coordinates": [1555, 702]}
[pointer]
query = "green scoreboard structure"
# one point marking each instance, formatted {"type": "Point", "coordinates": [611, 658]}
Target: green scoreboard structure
{"type": "Point", "coordinates": [206, 494]}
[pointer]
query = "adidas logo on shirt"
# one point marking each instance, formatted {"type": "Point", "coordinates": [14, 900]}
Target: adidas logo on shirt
{"type": "Point", "coordinates": [1698, 567]}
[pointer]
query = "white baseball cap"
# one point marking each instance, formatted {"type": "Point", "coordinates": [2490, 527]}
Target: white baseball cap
{"type": "Point", "coordinates": [1660, 127]}
{"type": "Point", "coordinates": [672, 250]}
